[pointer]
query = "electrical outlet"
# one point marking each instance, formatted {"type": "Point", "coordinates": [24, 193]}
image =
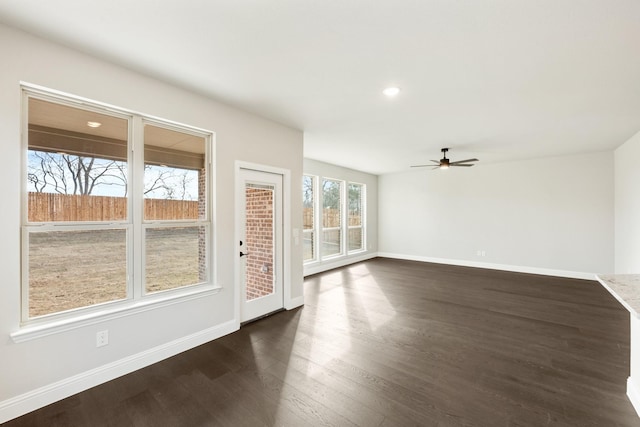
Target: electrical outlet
{"type": "Point", "coordinates": [102, 338]}
{"type": "Point", "coordinates": [484, 253]}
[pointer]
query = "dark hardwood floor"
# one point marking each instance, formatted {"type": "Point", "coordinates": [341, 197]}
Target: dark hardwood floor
{"type": "Point", "coordinates": [391, 343]}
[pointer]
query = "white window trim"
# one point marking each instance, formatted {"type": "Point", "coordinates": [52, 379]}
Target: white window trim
{"type": "Point", "coordinates": [136, 302]}
{"type": "Point", "coordinates": [107, 311]}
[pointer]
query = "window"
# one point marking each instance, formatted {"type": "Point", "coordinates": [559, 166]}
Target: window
{"type": "Point", "coordinates": [104, 223]}
{"type": "Point", "coordinates": [175, 207]}
{"type": "Point", "coordinates": [331, 218]}
{"type": "Point", "coordinates": [309, 218]}
{"type": "Point", "coordinates": [324, 235]}
{"type": "Point", "coordinates": [355, 238]}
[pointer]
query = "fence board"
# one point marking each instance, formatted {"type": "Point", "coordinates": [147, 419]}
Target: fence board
{"type": "Point", "coordinates": [50, 207]}
{"type": "Point", "coordinates": [330, 218]}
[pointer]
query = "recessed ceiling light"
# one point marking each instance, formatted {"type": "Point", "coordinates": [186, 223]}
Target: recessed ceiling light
{"type": "Point", "coordinates": [94, 124]}
{"type": "Point", "coordinates": [391, 91]}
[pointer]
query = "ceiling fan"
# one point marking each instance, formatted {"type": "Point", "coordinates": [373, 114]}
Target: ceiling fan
{"type": "Point", "coordinates": [445, 163]}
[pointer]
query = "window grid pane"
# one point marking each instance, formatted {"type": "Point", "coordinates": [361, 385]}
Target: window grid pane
{"type": "Point", "coordinates": [331, 218]}
{"type": "Point", "coordinates": [355, 216]}
{"type": "Point", "coordinates": [174, 175]}
{"type": "Point", "coordinates": [355, 238]}
{"type": "Point", "coordinates": [75, 172]}
{"type": "Point", "coordinates": [73, 269]}
{"type": "Point", "coordinates": [174, 257]}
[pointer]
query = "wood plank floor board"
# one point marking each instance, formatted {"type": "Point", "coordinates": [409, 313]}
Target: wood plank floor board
{"type": "Point", "coordinates": [279, 394]}
{"type": "Point", "coordinates": [392, 343]}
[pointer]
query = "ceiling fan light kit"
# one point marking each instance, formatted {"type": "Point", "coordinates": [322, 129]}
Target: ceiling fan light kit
{"type": "Point", "coordinates": [445, 163]}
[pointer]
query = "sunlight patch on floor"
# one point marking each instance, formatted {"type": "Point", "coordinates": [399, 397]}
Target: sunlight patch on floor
{"type": "Point", "coordinates": [378, 310]}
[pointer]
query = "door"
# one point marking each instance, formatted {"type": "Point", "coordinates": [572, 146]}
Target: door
{"type": "Point", "coordinates": [260, 244]}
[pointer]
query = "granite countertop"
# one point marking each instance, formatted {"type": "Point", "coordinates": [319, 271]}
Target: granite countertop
{"type": "Point", "coordinates": [626, 289]}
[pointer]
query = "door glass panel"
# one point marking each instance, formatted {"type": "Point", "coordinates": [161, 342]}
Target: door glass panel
{"type": "Point", "coordinates": [259, 240]}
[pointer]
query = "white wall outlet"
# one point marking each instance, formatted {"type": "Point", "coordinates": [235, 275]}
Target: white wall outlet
{"type": "Point", "coordinates": [484, 253]}
{"type": "Point", "coordinates": [102, 338]}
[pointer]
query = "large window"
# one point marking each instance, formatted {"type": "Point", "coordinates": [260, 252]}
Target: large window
{"type": "Point", "coordinates": [334, 218]}
{"type": "Point", "coordinates": [105, 223]}
{"type": "Point", "coordinates": [308, 217]}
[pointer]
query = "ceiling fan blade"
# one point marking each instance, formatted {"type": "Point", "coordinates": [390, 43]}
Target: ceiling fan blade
{"type": "Point", "coordinates": [463, 161]}
{"type": "Point", "coordinates": [457, 164]}
{"type": "Point", "coordinates": [422, 166]}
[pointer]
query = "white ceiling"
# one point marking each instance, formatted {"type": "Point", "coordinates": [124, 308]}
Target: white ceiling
{"type": "Point", "coordinates": [497, 80]}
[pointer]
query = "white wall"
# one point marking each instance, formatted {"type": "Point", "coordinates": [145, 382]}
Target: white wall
{"type": "Point", "coordinates": [326, 170]}
{"type": "Point", "coordinates": [61, 360]}
{"type": "Point", "coordinates": [627, 207]}
{"type": "Point", "coordinates": [548, 216]}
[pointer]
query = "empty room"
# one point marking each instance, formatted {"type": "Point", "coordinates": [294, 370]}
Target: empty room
{"type": "Point", "coordinates": [298, 213]}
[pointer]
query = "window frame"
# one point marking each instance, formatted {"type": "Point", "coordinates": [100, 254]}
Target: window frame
{"type": "Point", "coordinates": [158, 224]}
{"type": "Point", "coordinates": [318, 222]}
{"type": "Point", "coordinates": [134, 224]}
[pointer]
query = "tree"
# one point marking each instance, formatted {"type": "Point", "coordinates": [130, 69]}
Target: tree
{"type": "Point", "coordinates": [170, 183]}
{"type": "Point", "coordinates": [307, 191]}
{"type": "Point", "coordinates": [355, 199]}
{"type": "Point", "coordinates": [330, 194]}
{"type": "Point", "coordinates": [63, 173]}
{"type": "Point", "coordinates": [71, 174]}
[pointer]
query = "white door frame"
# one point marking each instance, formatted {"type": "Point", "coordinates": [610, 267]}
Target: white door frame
{"type": "Point", "coordinates": [286, 232]}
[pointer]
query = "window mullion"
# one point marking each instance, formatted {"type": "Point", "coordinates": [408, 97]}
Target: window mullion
{"type": "Point", "coordinates": [344, 220]}
{"type": "Point", "coordinates": [317, 214]}
{"type": "Point", "coordinates": [136, 252]}
{"type": "Point", "coordinates": [320, 216]}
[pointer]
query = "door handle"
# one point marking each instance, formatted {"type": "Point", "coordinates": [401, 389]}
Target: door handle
{"type": "Point", "coordinates": [243, 254]}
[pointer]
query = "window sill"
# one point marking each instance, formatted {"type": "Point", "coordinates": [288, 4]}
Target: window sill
{"type": "Point", "coordinates": [39, 330]}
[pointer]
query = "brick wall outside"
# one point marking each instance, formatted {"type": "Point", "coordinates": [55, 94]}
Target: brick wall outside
{"type": "Point", "coordinates": [259, 244]}
{"type": "Point", "coordinates": [202, 232]}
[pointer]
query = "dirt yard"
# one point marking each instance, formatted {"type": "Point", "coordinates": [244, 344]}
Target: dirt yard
{"type": "Point", "coordinates": [75, 269]}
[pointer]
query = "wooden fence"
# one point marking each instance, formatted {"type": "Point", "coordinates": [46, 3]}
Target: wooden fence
{"type": "Point", "coordinates": [44, 207]}
{"type": "Point", "coordinates": [330, 218]}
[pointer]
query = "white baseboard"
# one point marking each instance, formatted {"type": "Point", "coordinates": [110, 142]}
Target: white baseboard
{"type": "Point", "coordinates": [491, 266]}
{"type": "Point", "coordinates": [20, 405]}
{"type": "Point", "coordinates": [330, 264]}
{"type": "Point", "coordinates": [634, 395]}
